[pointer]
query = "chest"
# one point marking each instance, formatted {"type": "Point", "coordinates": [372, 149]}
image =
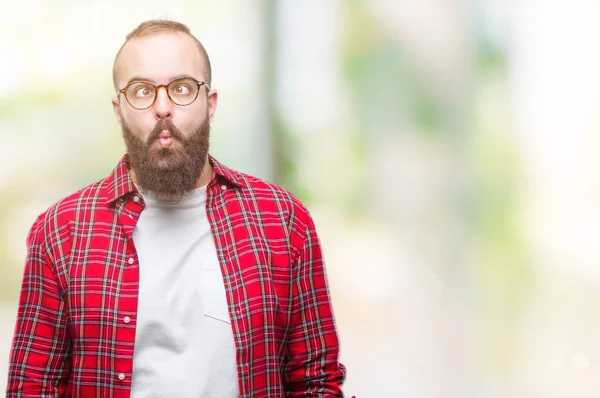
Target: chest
{"type": "Point", "coordinates": [247, 256]}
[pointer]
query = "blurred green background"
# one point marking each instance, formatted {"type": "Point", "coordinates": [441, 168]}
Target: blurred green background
{"type": "Point", "coordinates": [447, 150]}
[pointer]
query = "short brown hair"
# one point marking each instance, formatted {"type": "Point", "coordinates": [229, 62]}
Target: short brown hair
{"type": "Point", "coordinates": [158, 26]}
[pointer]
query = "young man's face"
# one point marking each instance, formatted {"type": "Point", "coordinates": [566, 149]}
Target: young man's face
{"type": "Point", "coordinates": [167, 143]}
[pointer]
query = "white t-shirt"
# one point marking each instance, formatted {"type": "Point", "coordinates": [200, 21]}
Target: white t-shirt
{"type": "Point", "coordinates": [183, 341]}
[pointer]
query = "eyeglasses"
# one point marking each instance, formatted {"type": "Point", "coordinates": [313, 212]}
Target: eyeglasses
{"type": "Point", "coordinates": [182, 92]}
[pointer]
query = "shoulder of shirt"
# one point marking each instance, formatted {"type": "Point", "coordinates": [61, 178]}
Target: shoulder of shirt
{"type": "Point", "coordinates": [264, 190]}
{"type": "Point", "coordinates": [271, 198]}
{"type": "Point", "coordinates": [254, 187]}
{"type": "Point", "coordinates": [63, 211]}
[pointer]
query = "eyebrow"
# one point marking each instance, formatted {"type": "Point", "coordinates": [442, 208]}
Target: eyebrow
{"type": "Point", "coordinates": [139, 79]}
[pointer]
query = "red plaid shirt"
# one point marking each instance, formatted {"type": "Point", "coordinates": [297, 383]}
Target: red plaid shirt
{"type": "Point", "coordinates": [72, 338]}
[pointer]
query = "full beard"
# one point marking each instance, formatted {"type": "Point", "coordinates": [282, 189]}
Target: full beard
{"type": "Point", "coordinates": [168, 173]}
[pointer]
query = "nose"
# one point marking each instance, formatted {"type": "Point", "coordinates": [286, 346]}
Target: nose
{"type": "Point", "coordinates": [163, 107]}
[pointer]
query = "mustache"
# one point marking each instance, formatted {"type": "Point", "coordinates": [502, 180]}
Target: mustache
{"type": "Point", "coordinates": [165, 124]}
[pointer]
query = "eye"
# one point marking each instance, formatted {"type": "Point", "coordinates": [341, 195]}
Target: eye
{"type": "Point", "coordinates": [143, 91]}
{"type": "Point", "coordinates": [181, 89]}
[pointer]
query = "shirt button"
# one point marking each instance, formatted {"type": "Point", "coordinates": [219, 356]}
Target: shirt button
{"type": "Point", "coordinates": [127, 319]}
{"type": "Point", "coordinates": [223, 187]}
{"type": "Point", "coordinates": [131, 260]}
{"type": "Point", "coordinates": [130, 216]}
{"type": "Point", "coordinates": [121, 376]}
{"type": "Point", "coordinates": [136, 198]}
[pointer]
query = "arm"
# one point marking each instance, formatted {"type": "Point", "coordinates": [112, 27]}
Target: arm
{"type": "Point", "coordinates": [39, 361]}
{"type": "Point", "coordinates": [313, 345]}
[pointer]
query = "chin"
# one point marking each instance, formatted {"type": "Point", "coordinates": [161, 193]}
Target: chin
{"type": "Point", "coordinates": [164, 157]}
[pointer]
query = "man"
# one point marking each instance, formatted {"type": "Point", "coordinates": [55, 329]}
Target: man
{"type": "Point", "coordinates": [175, 276]}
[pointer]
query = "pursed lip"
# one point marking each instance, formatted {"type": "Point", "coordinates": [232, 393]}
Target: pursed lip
{"type": "Point", "coordinates": [165, 134]}
{"type": "Point", "coordinates": [165, 139]}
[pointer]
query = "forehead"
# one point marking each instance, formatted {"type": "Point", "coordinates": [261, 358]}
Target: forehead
{"type": "Point", "coordinates": [160, 57]}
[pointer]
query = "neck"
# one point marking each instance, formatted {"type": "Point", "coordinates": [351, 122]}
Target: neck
{"type": "Point", "coordinates": [206, 176]}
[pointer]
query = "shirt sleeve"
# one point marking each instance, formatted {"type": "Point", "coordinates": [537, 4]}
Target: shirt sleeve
{"type": "Point", "coordinates": [40, 353]}
{"type": "Point", "coordinates": [313, 369]}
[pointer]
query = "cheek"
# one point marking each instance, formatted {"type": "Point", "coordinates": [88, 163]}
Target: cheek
{"type": "Point", "coordinates": [141, 123]}
{"type": "Point", "coordinates": [190, 121]}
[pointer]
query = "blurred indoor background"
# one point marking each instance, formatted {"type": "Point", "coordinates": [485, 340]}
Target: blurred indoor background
{"type": "Point", "coordinates": [447, 149]}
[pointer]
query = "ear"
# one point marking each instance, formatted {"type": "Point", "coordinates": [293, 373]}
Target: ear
{"type": "Point", "coordinates": [117, 108]}
{"type": "Point", "coordinates": [213, 98]}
